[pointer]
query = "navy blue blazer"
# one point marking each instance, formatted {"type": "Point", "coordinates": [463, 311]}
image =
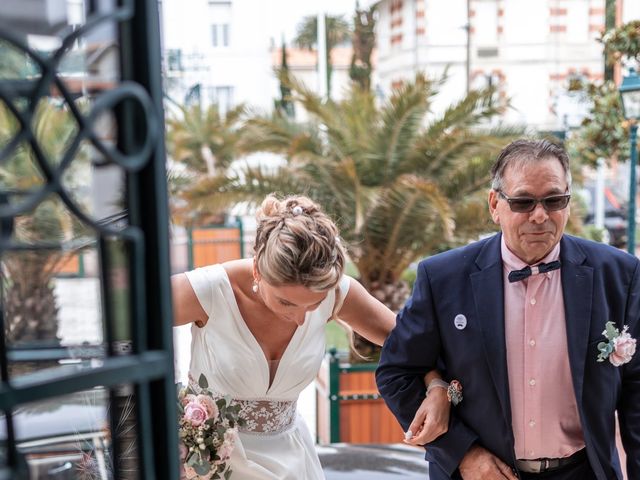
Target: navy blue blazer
{"type": "Point", "coordinates": [599, 284]}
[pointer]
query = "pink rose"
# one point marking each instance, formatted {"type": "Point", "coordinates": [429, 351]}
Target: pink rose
{"type": "Point", "coordinates": [224, 452]}
{"type": "Point", "coordinates": [187, 399]}
{"type": "Point", "coordinates": [623, 349]}
{"type": "Point", "coordinates": [195, 413]}
{"type": "Point", "coordinates": [189, 472]}
{"type": "Point", "coordinates": [209, 405]}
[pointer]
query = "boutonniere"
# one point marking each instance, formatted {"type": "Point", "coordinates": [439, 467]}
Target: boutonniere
{"type": "Point", "coordinates": [620, 346]}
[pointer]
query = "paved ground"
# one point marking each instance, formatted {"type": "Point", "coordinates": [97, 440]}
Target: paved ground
{"type": "Point", "coordinates": [373, 462]}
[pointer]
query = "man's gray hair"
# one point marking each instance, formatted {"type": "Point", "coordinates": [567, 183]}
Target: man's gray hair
{"type": "Point", "coordinates": [525, 151]}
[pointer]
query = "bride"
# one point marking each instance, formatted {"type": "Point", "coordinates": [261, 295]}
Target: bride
{"type": "Point", "coordinates": [258, 334]}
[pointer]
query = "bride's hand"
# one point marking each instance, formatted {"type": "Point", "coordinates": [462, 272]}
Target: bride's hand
{"type": "Point", "coordinates": [431, 419]}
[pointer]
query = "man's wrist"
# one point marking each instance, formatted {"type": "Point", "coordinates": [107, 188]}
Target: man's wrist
{"type": "Point", "coordinates": [436, 383]}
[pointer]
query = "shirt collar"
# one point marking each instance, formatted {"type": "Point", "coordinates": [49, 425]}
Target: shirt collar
{"type": "Point", "coordinates": [513, 262]}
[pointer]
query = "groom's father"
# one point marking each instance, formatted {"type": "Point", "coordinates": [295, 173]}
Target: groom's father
{"type": "Point", "coordinates": [539, 328]}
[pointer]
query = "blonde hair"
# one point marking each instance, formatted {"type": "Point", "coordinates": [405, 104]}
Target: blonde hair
{"type": "Point", "coordinates": [297, 243]}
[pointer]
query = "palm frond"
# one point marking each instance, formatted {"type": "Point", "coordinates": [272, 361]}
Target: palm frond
{"type": "Point", "coordinates": [278, 134]}
{"type": "Point", "coordinates": [451, 137]}
{"type": "Point", "coordinates": [401, 119]}
{"type": "Point", "coordinates": [474, 108]}
{"type": "Point", "coordinates": [336, 186]}
{"type": "Point", "coordinates": [205, 141]}
{"type": "Point", "coordinates": [338, 31]}
{"type": "Point", "coordinates": [392, 182]}
{"type": "Point", "coordinates": [467, 168]}
{"type": "Point", "coordinates": [249, 184]}
{"type": "Point", "coordinates": [472, 218]}
{"type": "Point", "coordinates": [406, 221]}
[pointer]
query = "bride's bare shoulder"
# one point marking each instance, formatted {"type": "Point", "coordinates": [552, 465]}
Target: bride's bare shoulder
{"type": "Point", "coordinates": [240, 273]}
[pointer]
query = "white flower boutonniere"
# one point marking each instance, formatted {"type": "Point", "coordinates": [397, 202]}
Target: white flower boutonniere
{"type": "Point", "coordinates": [620, 346]}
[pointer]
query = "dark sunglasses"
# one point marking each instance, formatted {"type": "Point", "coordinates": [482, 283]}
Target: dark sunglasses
{"type": "Point", "coordinates": [528, 204]}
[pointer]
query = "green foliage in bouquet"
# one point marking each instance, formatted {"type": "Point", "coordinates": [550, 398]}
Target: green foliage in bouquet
{"type": "Point", "coordinates": [208, 430]}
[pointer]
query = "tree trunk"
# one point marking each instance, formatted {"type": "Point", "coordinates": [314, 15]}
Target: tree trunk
{"type": "Point", "coordinates": [29, 302]}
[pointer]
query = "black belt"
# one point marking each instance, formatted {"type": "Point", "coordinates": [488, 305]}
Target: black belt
{"type": "Point", "coordinates": [546, 464]}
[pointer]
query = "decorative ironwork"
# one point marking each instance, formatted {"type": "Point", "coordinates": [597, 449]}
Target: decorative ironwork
{"type": "Point", "coordinates": [134, 101]}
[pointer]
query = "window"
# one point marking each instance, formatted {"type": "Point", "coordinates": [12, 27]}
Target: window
{"type": "Point", "coordinates": [220, 35]}
{"type": "Point", "coordinates": [222, 96]}
{"type": "Point", "coordinates": [220, 16]}
{"type": "Point", "coordinates": [487, 52]}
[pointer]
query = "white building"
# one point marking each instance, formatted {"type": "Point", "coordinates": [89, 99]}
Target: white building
{"type": "Point", "coordinates": [528, 49]}
{"type": "Point", "coordinates": [225, 51]}
{"type": "Point", "coordinates": [217, 50]}
{"type": "Point", "coordinates": [303, 65]}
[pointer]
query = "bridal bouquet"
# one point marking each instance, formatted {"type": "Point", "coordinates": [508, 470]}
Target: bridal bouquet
{"type": "Point", "coordinates": [207, 431]}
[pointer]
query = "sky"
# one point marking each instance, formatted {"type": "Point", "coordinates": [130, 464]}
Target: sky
{"type": "Point", "coordinates": [285, 15]}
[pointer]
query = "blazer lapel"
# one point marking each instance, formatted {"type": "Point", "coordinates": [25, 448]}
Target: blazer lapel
{"type": "Point", "coordinates": [577, 289]}
{"type": "Point", "coordinates": [489, 300]}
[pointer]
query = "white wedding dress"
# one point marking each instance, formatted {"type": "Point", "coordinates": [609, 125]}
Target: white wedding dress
{"type": "Point", "coordinates": [275, 444]}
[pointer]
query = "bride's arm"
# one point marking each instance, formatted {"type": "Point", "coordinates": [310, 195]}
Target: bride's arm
{"type": "Point", "coordinates": [373, 320]}
{"type": "Point", "coordinates": [186, 307]}
{"type": "Point", "coordinates": [432, 417]}
{"type": "Point", "coordinates": [365, 314]}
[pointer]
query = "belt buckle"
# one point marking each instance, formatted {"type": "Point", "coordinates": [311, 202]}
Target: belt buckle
{"type": "Point", "coordinates": [544, 465]}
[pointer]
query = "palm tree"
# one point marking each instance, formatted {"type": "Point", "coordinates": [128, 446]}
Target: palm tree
{"type": "Point", "coordinates": [399, 188]}
{"type": "Point", "coordinates": [204, 142]}
{"type": "Point", "coordinates": [285, 103]}
{"type": "Point", "coordinates": [337, 31]}
{"type": "Point", "coordinates": [364, 41]}
{"type": "Point", "coordinates": [28, 291]}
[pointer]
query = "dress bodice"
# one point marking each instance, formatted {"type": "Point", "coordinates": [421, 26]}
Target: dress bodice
{"type": "Point", "coordinates": [230, 357]}
{"type": "Point", "coordinates": [275, 443]}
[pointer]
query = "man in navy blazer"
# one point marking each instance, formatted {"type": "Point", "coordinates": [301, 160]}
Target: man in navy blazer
{"type": "Point", "coordinates": [455, 320]}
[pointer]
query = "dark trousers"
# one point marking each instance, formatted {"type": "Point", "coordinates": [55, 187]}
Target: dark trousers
{"type": "Point", "coordinates": [578, 471]}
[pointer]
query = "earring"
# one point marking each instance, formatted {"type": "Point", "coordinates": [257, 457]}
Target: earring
{"type": "Point", "coordinates": [254, 287]}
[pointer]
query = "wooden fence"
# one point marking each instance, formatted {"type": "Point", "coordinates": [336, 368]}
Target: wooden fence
{"type": "Point", "coordinates": [349, 407]}
{"type": "Point", "coordinates": [215, 244]}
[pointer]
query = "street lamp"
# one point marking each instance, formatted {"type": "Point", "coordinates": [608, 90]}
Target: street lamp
{"type": "Point", "coordinates": [630, 96]}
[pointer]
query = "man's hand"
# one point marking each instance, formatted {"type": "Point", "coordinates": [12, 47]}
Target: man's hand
{"type": "Point", "coordinates": [431, 419]}
{"type": "Point", "coordinates": [480, 464]}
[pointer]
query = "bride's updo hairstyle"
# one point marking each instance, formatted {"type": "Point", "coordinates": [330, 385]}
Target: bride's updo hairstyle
{"type": "Point", "coordinates": [297, 243]}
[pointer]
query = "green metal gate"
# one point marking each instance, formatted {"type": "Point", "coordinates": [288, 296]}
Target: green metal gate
{"type": "Point", "coordinates": [81, 98]}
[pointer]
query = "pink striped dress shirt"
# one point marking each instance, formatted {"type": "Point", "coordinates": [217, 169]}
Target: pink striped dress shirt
{"type": "Point", "coordinates": [544, 413]}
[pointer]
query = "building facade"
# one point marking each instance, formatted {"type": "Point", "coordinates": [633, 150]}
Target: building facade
{"type": "Point", "coordinates": [528, 50]}
{"type": "Point", "coordinates": [217, 52]}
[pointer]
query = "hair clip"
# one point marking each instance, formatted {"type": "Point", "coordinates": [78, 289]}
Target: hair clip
{"type": "Point", "coordinates": [297, 210]}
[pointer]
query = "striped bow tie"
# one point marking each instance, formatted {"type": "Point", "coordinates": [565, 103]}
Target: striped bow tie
{"type": "Point", "coordinates": [517, 275]}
